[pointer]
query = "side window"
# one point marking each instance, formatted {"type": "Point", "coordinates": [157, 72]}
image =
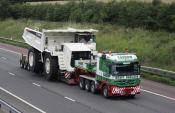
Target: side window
{"type": "Point", "coordinates": [94, 38]}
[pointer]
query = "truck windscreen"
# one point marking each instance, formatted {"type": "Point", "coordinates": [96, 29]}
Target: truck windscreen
{"type": "Point", "coordinates": [125, 69]}
{"type": "Point", "coordinates": [85, 38]}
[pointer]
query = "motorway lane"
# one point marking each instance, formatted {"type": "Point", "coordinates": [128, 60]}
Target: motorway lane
{"type": "Point", "coordinates": [50, 95]}
{"type": "Point", "coordinates": [48, 101]}
{"type": "Point", "coordinates": [1, 111]}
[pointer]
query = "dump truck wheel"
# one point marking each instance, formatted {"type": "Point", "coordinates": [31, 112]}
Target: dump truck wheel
{"type": "Point", "coordinates": [33, 60]}
{"type": "Point", "coordinates": [21, 64]}
{"type": "Point", "coordinates": [105, 92]}
{"type": "Point", "coordinates": [51, 67]}
{"type": "Point", "coordinates": [26, 66]}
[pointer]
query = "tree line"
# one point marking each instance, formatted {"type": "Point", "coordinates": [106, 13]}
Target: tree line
{"type": "Point", "coordinates": [154, 16]}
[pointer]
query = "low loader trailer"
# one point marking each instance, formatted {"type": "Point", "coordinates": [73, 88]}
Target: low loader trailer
{"type": "Point", "coordinates": [70, 55]}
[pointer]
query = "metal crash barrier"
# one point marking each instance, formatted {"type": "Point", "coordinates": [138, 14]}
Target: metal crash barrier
{"type": "Point", "coordinates": [7, 108]}
{"type": "Point", "coordinates": [158, 71]}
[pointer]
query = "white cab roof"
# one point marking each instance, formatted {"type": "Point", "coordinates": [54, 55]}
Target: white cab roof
{"type": "Point", "coordinates": [121, 57]}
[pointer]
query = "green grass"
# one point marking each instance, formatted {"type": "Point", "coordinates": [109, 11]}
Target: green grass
{"type": "Point", "coordinates": [65, 1]}
{"type": "Point", "coordinates": [164, 1]}
{"type": "Point", "coordinates": [11, 42]}
{"type": "Point", "coordinates": [156, 49]}
{"type": "Point", "coordinates": [161, 79]}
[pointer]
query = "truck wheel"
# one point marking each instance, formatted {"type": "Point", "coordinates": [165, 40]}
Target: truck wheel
{"type": "Point", "coordinates": [92, 87]}
{"type": "Point", "coordinates": [87, 85]}
{"type": "Point", "coordinates": [21, 64]}
{"type": "Point", "coordinates": [132, 96]}
{"type": "Point", "coordinates": [50, 67]}
{"type": "Point", "coordinates": [105, 92]}
{"type": "Point", "coordinates": [26, 66]}
{"type": "Point", "coordinates": [81, 83]}
{"type": "Point", "coordinates": [33, 59]}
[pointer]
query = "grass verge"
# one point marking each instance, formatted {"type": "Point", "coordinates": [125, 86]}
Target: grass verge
{"type": "Point", "coordinates": [160, 79]}
{"type": "Point", "coordinates": [15, 43]}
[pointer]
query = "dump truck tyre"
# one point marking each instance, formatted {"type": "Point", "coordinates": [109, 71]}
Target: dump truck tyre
{"type": "Point", "coordinates": [50, 67]}
{"type": "Point", "coordinates": [33, 60]}
{"type": "Point", "coordinates": [21, 64]}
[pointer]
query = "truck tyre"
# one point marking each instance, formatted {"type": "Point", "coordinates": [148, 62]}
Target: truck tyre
{"type": "Point", "coordinates": [21, 64]}
{"type": "Point", "coordinates": [105, 92]}
{"type": "Point", "coordinates": [51, 67]}
{"type": "Point", "coordinates": [92, 87]}
{"type": "Point", "coordinates": [81, 83]}
{"type": "Point", "coordinates": [26, 66]}
{"type": "Point", "coordinates": [33, 59]}
{"type": "Point", "coordinates": [132, 96]}
{"type": "Point", "coordinates": [87, 85]}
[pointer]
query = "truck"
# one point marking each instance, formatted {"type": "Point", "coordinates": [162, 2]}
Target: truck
{"type": "Point", "coordinates": [70, 55]}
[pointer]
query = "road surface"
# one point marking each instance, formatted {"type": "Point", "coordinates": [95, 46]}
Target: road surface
{"type": "Point", "coordinates": [58, 97]}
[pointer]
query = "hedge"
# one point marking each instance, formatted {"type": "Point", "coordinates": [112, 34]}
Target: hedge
{"type": "Point", "coordinates": [153, 16]}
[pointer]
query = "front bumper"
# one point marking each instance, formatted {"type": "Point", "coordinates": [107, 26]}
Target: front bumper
{"type": "Point", "coordinates": [124, 91]}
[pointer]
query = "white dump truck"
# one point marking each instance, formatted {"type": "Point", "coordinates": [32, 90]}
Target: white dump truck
{"type": "Point", "coordinates": [54, 51]}
{"type": "Point", "coordinates": [70, 55]}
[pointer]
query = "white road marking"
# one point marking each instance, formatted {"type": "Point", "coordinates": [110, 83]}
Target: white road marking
{"type": "Point", "coordinates": [10, 51]}
{"type": "Point", "coordinates": [170, 98]}
{"type": "Point", "coordinates": [11, 74]}
{"type": "Point", "coordinates": [36, 84]}
{"type": "Point", "coordinates": [22, 100]}
{"type": "Point", "coordinates": [69, 99]}
{"type": "Point", "coordinates": [3, 58]}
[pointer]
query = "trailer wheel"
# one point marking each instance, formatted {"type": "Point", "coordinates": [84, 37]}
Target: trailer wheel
{"type": "Point", "coordinates": [51, 67]}
{"type": "Point", "coordinates": [105, 92]}
{"type": "Point", "coordinates": [81, 83]}
{"type": "Point", "coordinates": [92, 87]}
{"type": "Point", "coordinates": [33, 59]}
{"type": "Point", "coordinates": [87, 85]}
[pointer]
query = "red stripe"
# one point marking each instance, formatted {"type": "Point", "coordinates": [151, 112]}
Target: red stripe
{"type": "Point", "coordinates": [67, 75]}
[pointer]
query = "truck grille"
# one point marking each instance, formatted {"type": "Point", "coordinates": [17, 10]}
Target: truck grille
{"type": "Point", "coordinates": [128, 82]}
